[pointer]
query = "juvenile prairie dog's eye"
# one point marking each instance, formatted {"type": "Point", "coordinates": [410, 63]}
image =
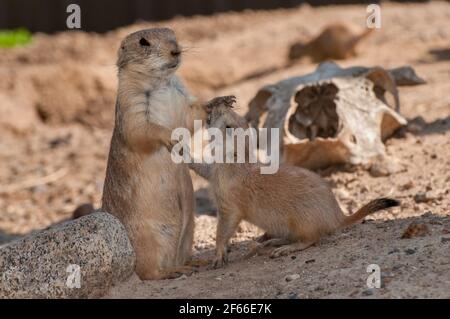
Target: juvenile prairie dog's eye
{"type": "Point", "coordinates": [143, 42]}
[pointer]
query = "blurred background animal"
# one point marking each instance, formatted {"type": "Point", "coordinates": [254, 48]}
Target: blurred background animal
{"type": "Point", "coordinates": [337, 41]}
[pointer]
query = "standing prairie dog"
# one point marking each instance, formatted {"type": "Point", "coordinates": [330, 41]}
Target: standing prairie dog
{"type": "Point", "coordinates": [149, 193]}
{"type": "Point", "coordinates": [336, 41]}
{"type": "Point", "coordinates": [295, 207]}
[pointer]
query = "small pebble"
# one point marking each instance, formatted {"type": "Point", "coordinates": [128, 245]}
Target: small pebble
{"type": "Point", "coordinates": [407, 186]}
{"type": "Point", "coordinates": [342, 193]}
{"type": "Point", "coordinates": [292, 295]}
{"type": "Point", "coordinates": [393, 251]}
{"type": "Point", "coordinates": [410, 251]}
{"type": "Point", "coordinates": [368, 292]}
{"type": "Point", "coordinates": [397, 267]}
{"type": "Point", "coordinates": [182, 277]}
{"type": "Point", "coordinates": [421, 197]}
{"type": "Point", "coordinates": [292, 277]}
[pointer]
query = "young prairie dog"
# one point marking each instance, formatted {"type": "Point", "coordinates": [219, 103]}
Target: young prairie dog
{"type": "Point", "coordinates": [336, 41]}
{"type": "Point", "coordinates": [295, 207]}
{"type": "Point", "coordinates": [149, 193]}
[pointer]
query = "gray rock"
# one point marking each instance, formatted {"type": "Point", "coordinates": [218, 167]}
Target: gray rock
{"type": "Point", "coordinates": [46, 264]}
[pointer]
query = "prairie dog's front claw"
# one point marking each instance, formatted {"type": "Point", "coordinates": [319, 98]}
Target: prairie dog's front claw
{"type": "Point", "coordinates": [228, 100]}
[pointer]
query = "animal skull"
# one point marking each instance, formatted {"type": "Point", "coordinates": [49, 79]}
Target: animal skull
{"type": "Point", "coordinates": [333, 115]}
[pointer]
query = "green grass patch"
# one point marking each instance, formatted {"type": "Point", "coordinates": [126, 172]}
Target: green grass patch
{"type": "Point", "coordinates": [13, 38]}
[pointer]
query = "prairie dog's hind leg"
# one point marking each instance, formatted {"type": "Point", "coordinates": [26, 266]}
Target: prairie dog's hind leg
{"type": "Point", "coordinates": [263, 238]}
{"type": "Point", "coordinates": [275, 242]}
{"type": "Point", "coordinates": [186, 204]}
{"type": "Point", "coordinates": [226, 226]}
{"type": "Point", "coordinates": [287, 249]}
{"type": "Point", "coordinates": [186, 242]}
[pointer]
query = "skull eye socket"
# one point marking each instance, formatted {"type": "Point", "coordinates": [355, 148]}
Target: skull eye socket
{"type": "Point", "coordinates": [143, 42]}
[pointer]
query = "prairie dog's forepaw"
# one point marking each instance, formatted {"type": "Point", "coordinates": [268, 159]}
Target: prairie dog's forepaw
{"type": "Point", "coordinates": [228, 100]}
{"type": "Point", "coordinates": [169, 144]}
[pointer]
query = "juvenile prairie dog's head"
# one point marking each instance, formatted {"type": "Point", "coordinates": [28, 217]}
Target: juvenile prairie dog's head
{"type": "Point", "coordinates": [153, 52]}
{"type": "Point", "coordinates": [222, 117]}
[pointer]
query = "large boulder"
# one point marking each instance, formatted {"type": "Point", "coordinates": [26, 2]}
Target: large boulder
{"type": "Point", "coordinates": [76, 259]}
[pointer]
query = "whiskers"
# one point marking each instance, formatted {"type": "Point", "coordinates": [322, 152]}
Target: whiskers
{"type": "Point", "coordinates": [189, 49]}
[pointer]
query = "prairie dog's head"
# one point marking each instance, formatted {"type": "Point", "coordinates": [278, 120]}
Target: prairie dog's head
{"type": "Point", "coordinates": [234, 128]}
{"type": "Point", "coordinates": [154, 52]}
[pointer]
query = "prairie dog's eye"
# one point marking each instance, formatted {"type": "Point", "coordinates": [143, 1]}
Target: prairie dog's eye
{"type": "Point", "coordinates": [143, 42]}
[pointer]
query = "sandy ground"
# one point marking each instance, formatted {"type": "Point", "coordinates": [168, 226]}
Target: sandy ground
{"type": "Point", "coordinates": [57, 101]}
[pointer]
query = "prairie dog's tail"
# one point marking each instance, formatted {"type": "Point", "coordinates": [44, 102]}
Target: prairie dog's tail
{"type": "Point", "coordinates": [371, 207]}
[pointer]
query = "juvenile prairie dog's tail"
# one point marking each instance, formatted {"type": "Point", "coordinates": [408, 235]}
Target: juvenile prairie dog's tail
{"type": "Point", "coordinates": [371, 207]}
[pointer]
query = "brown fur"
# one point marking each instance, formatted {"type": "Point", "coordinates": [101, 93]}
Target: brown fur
{"type": "Point", "coordinates": [294, 206]}
{"type": "Point", "coordinates": [336, 41]}
{"type": "Point", "coordinates": [150, 194]}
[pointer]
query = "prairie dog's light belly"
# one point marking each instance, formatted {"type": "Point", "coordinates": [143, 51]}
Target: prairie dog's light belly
{"type": "Point", "coordinates": [168, 106]}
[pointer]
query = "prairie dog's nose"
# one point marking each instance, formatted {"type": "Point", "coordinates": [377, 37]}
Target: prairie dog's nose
{"type": "Point", "coordinates": [175, 52]}
{"type": "Point", "coordinates": [175, 49]}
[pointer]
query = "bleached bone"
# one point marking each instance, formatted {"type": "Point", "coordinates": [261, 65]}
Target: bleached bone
{"type": "Point", "coordinates": [333, 115]}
